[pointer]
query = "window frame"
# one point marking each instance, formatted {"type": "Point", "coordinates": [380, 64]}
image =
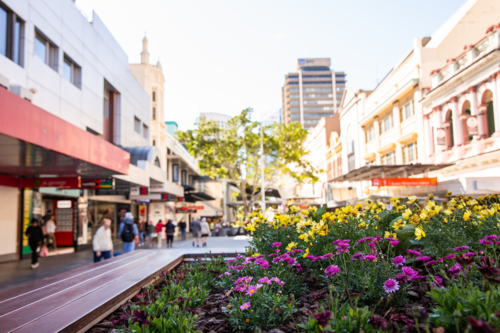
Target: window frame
{"type": "Point", "coordinates": [75, 69]}
{"type": "Point", "coordinates": [137, 125]}
{"type": "Point", "coordinates": [145, 131]}
{"type": "Point", "coordinates": [14, 36]}
{"type": "Point", "coordinates": [403, 111]}
{"type": "Point", "coordinates": [390, 154]}
{"type": "Point", "coordinates": [51, 50]}
{"type": "Point", "coordinates": [412, 148]}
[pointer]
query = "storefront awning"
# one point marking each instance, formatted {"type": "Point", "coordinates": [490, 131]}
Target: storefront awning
{"type": "Point", "coordinates": [197, 196]}
{"type": "Point", "coordinates": [388, 171]}
{"type": "Point", "coordinates": [35, 142]}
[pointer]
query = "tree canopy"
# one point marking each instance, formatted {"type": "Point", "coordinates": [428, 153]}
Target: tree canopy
{"type": "Point", "coordinates": [234, 153]}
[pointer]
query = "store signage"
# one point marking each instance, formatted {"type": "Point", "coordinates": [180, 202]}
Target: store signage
{"type": "Point", "coordinates": [64, 204]}
{"type": "Point", "coordinates": [441, 136]}
{"type": "Point", "coordinates": [90, 184]}
{"type": "Point", "coordinates": [175, 173]}
{"type": "Point", "coordinates": [184, 210]}
{"type": "Point", "coordinates": [195, 207]}
{"type": "Point", "coordinates": [404, 181]}
{"type": "Point", "coordinates": [60, 182]}
{"type": "Point", "coordinates": [472, 125]}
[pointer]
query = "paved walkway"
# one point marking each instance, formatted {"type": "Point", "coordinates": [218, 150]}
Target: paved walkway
{"type": "Point", "coordinates": [17, 273]}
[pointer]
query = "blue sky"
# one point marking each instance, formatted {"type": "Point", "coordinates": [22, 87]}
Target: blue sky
{"type": "Point", "coordinates": [224, 56]}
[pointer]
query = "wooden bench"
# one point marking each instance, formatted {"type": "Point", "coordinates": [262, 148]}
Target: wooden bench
{"type": "Point", "coordinates": [76, 300]}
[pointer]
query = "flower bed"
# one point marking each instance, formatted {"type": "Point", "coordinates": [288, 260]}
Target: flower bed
{"type": "Point", "coordinates": [398, 266]}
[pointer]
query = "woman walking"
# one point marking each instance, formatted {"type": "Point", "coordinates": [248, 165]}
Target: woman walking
{"type": "Point", "coordinates": [170, 230]}
{"type": "Point", "coordinates": [35, 239]}
{"type": "Point", "coordinates": [205, 231]}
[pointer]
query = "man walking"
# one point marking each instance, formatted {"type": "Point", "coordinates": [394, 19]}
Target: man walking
{"type": "Point", "coordinates": [102, 243]}
{"type": "Point", "coordinates": [195, 229]}
{"type": "Point", "coordinates": [35, 239]}
{"type": "Point", "coordinates": [142, 231]}
{"type": "Point", "coordinates": [151, 231]}
{"type": "Point", "coordinates": [128, 233]}
{"type": "Point", "coordinates": [159, 232]}
{"type": "Point", "coordinates": [50, 228]}
{"type": "Point", "coordinates": [182, 226]}
{"type": "Point", "coordinates": [170, 230]}
{"type": "Point", "coordinates": [205, 231]}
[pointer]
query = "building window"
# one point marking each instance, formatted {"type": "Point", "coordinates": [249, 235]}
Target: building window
{"type": "Point", "coordinates": [72, 72]}
{"type": "Point", "coordinates": [386, 123]}
{"type": "Point", "coordinates": [370, 134]}
{"type": "Point", "coordinates": [407, 111]}
{"type": "Point", "coordinates": [154, 113]}
{"type": "Point", "coordinates": [46, 51]}
{"type": "Point", "coordinates": [294, 102]}
{"type": "Point", "coordinates": [11, 35]}
{"type": "Point", "coordinates": [154, 96]}
{"type": "Point", "coordinates": [154, 142]}
{"type": "Point", "coordinates": [389, 158]}
{"type": "Point", "coordinates": [145, 131]}
{"type": "Point", "coordinates": [410, 153]}
{"type": "Point", "coordinates": [317, 89]}
{"type": "Point", "coordinates": [319, 102]}
{"type": "Point", "coordinates": [137, 125]}
{"type": "Point", "coordinates": [293, 89]}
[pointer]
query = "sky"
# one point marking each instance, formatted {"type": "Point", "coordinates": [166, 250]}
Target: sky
{"type": "Point", "coordinates": [227, 55]}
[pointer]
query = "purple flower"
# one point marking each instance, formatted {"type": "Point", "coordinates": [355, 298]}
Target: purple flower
{"type": "Point", "coordinates": [430, 263]}
{"type": "Point", "coordinates": [323, 318]}
{"type": "Point", "coordinates": [424, 258]}
{"type": "Point", "coordinates": [140, 317]}
{"type": "Point", "coordinates": [297, 250]}
{"type": "Point", "coordinates": [417, 277]}
{"type": "Point", "coordinates": [251, 290]}
{"type": "Point", "coordinates": [332, 270]}
{"type": "Point", "coordinates": [451, 256]}
{"type": "Point", "coordinates": [342, 248]}
{"type": "Point", "coordinates": [416, 253]}
{"type": "Point", "coordinates": [265, 280]}
{"type": "Point", "coordinates": [358, 256]}
{"type": "Point", "coordinates": [362, 240]}
{"type": "Point", "coordinates": [485, 242]}
{"type": "Point", "coordinates": [398, 261]}
{"type": "Point", "coordinates": [491, 237]}
{"type": "Point", "coordinates": [391, 286]}
{"type": "Point", "coordinates": [272, 255]}
{"type": "Point", "coordinates": [461, 248]}
{"type": "Point", "coordinates": [438, 283]}
{"type": "Point", "coordinates": [401, 277]}
{"type": "Point", "coordinates": [470, 254]}
{"type": "Point", "coordinates": [370, 258]}
{"type": "Point", "coordinates": [311, 257]}
{"type": "Point", "coordinates": [278, 281]}
{"type": "Point", "coordinates": [245, 306]}
{"type": "Point", "coordinates": [327, 256]}
{"type": "Point", "coordinates": [277, 244]}
{"type": "Point", "coordinates": [455, 270]}
{"type": "Point", "coordinates": [392, 241]}
{"type": "Point", "coordinates": [408, 271]}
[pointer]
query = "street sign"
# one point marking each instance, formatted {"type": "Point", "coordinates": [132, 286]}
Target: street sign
{"type": "Point", "coordinates": [404, 181]}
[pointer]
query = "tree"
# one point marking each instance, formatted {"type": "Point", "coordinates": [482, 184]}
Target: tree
{"type": "Point", "coordinates": [234, 153]}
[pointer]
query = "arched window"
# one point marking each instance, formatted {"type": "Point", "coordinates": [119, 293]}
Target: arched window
{"type": "Point", "coordinates": [154, 96]}
{"type": "Point", "coordinates": [154, 113]}
{"type": "Point", "coordinates": [490, 113]}
{"type": "Point", "coordinates": [157, 162]}
{"type": "Point", "coordinates": [154, 143]}
{"type": "Point", "coordinates": [449, 121]}
{"type": "Point", "coordinates": [466, 110]}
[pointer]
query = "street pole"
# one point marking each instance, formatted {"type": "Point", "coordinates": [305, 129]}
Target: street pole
{"type": "Point", "coordinates": [262, 189]}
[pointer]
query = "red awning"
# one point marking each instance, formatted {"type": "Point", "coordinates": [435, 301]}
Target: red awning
{"type": "Point", "coordinates": [34, 142]}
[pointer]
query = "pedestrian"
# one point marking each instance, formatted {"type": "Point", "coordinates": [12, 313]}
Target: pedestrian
{"type": "Point", "coordinates": [50, 227]}
{"type": "Point", "coordinates": [159, 232]}
{"type": "Point", "coordinates": [128, 233]}
{"type": "Point", "coordinates": [182, 226]}
{"type": "Point", "coordinates": [205, 231]}
{"type": "Point", "coordinates": [151, 231]}
{"type": "Point", "coordinates": [195, 229]}
{"type": "Point", "coordinates": [142, 231]}
{"type": "Point", "coordinates": [35, 239]}
{"type": "Point", "coordinates": [102, 243]}
{"type": "Point", "coordinates": [170, 230]}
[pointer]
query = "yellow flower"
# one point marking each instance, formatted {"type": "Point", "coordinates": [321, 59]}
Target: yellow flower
{"type": "Point", "coordinates": [412, 199]}
{"type": "Point", "coordinates": [492, 211]}
{"type": "Point", "coordinates": [399, 224]}
{"type": "Point", "coordinates": [313, 209]}
{"type": "Point", "coordinates": [423, 214]}
{"type": "Point", "coordinates": [294, 210]}
{"type": "Point", "coordinates": [358, 206]}
{"type": "Point", "coordinates": [407, 214]}
{"type": "Point", "coordinates": [390, 235]}
{"type": "Point", "coordinates": [304, 237]}
{"type": "Point", "coordinates": [291, 246]}
{"type": "Point", "coordinates": [447, 212]}
{"type": "Point", "coordinates": [467, 215]}
{"type": "Point", "coordinates": [346, 209]}
{"type": "Point", "coordinates": [306, 253]}
{"type": "Point", "coordinates": [250, 227]}
{"type": "Point", "coordinates": [304, 212]}
{"type": "Point", "coordinates": [419, 233]}
{"type": "Point", "coordinates": [229, 306]}
{"type": "Point", "coordinates": [415, 220]}
{"type": "Point", "coordinates": [255, 255]}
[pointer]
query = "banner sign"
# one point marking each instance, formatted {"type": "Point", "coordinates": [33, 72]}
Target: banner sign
{"type": "Point", "coordinates": [27, 211]}
{"type": "Point", "coordinates": [175, 173]}
{"type": "Point", "coordinates": [404, 181]}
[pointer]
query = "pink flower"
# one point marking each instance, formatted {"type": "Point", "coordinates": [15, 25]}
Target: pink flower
{"type": "Point", "coordinates": [245, 306]}
{"type": "Point", "coordinates": [327, 256]}
{"type": "Point", "coordinates": [461, 248]}
{"type": "Point", "coordinates": [342, 248]}
{"type": "Point", "coordinates": [272, 255]}
{"type": "Point", "coordinates": [391, 286]}
{"type": "Point", "coordinates": [392, 241]}
{"type": "Point", "coordinates": [265, 280]}
{"type": "Point", "coordinates": [362, 240]}
{"type": "Point", "coordinates": [297, 250]}
{"type": "Point", "coordinates": [451, 256]}
{"type": "Point", "coordinates": [455, 270]}
{"type": "Point", "coordinates": [430, 263]}
{"type": "Point", "coordinates": [332, 270]}
{"type": "Point", "coordinates": [251, 290]}
{"type": "Point", "coordinates": [370, 258]}
{"type": "Point", "coordinates": [491, 237]}
{"type": "Point", "coordinates": [398, 261]}
{"type": "Point", "coordinates": [438, 283]}
{"type": "Point", "coordinates": [424, 258]}
{"type": "Point", "coordinates": [358, 256]}
{"type": "Point", "coordinates": [408, 271]}
{"type": "Point", "coordinates": [416, 253]}
{"type": "Point", "coordinates": [277, 244]}
{"type": "Point", "coordinates": [485, 242]}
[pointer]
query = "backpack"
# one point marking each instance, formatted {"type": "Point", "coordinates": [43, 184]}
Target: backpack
{"type": "Point", "coordinates": [128, 233]}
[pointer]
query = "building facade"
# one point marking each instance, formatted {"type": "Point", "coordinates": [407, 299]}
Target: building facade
{"type": "Point", "coordinates": [220, 118]}
{"type": "Point", "coordinates": [311, 92]}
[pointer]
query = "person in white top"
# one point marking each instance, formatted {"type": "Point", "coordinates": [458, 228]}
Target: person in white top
{"type": "Point", "coordinates": [205, 231]}
{"type": "Point", "coordinates": [102, 243]}
{"type": "Point", "coordinates": [50, 228]}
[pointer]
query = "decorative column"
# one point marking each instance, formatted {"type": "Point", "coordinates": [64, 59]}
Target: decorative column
{"type": "Point", "coordinates": [437, 118]}
{"type": "Point", "coordinates": [397, 130]}
{"type": "Point", "coordinates": [458, 135]}
{"type": "Point", "coordinates": [496, 102]}
{"type": "Point", "coordinates": [376, 128]}
{"type": "Point", "coordinates": [482, 121]}
{"type": "Point", "coordinates": [428, 136]}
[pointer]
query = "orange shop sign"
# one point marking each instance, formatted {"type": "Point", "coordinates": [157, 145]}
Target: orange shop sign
{"type": "Point", "coordinates": [404, 181]}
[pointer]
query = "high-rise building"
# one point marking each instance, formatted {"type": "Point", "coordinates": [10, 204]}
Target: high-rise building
{"type": "Point", "coordinates": [311, 92]}
{"type": "Point", "coordinates": [220, 118]}
{"type": "Point", "coordinates": [272, 118]}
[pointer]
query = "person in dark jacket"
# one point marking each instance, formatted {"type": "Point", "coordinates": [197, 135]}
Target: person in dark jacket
{"type": "Point", "coordinates": [35, 239]}
{"type": "Point", "coordinates": [182, 225]}
{"type": "Point", "coordinates": [170, 230]}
